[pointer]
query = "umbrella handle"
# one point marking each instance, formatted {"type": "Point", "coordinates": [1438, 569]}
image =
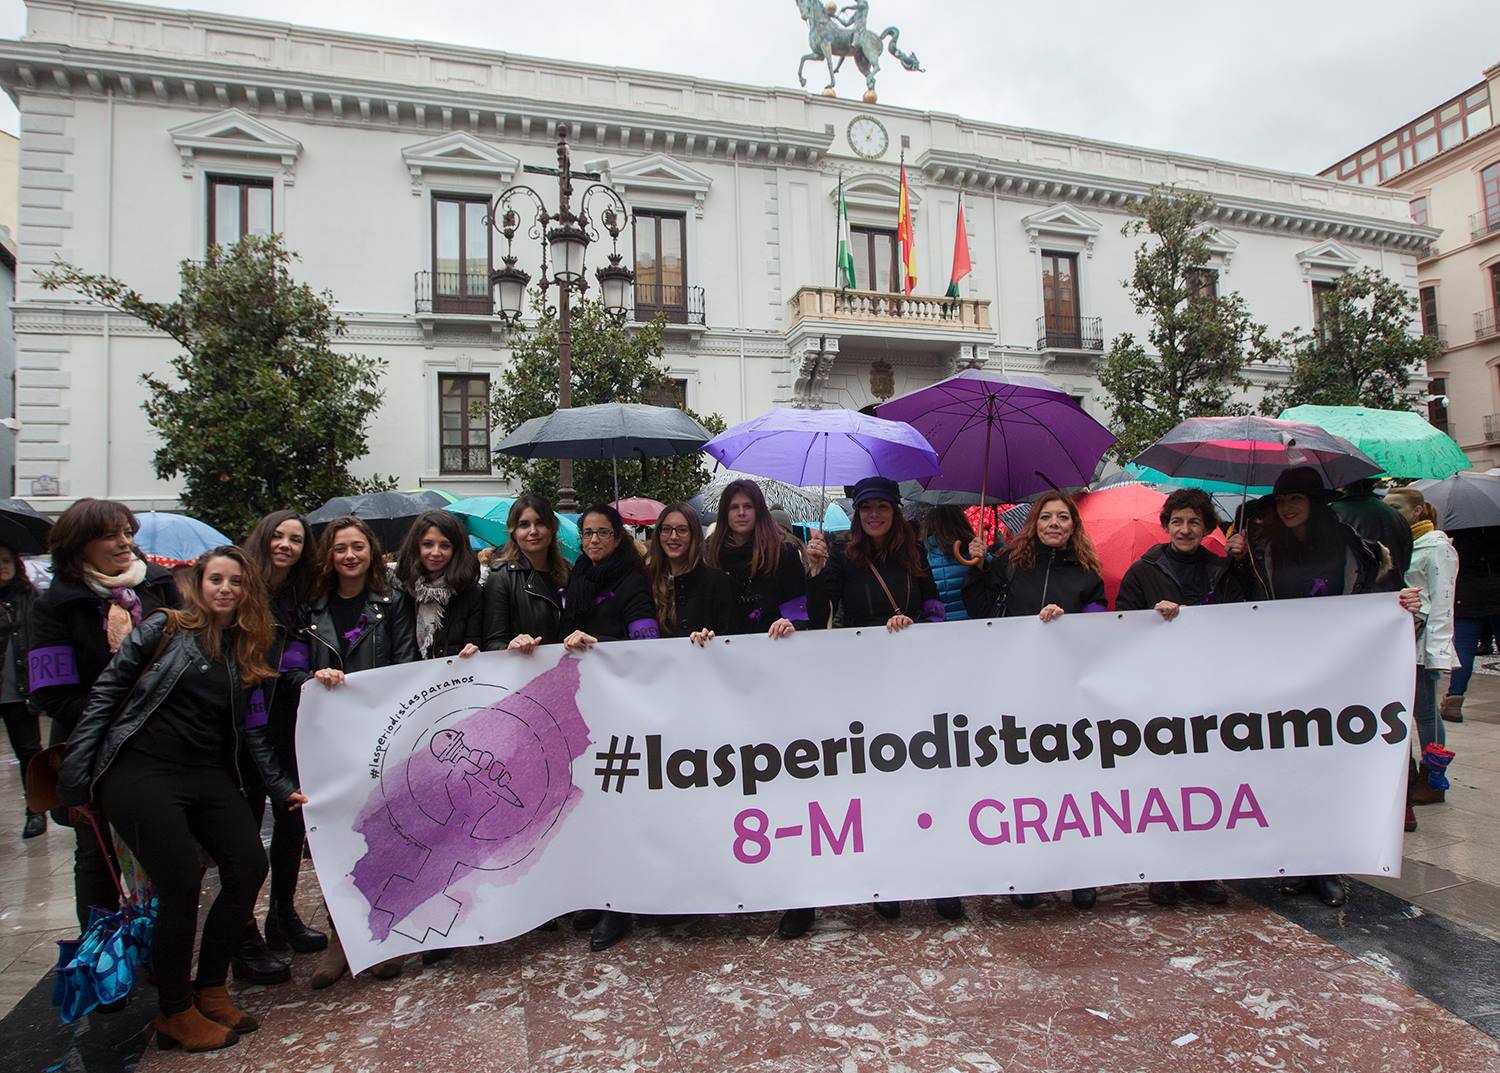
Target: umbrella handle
{"type": "Point", "coordinates": [958, 553]}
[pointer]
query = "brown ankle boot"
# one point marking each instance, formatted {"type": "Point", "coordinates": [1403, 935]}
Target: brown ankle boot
{"type": "Point", "coordinates": [192, 1031]}
{"type": "Point", "coordinates": [215, 1004]}
{"type": "Point", "coordinates": [1423, 794]}
{"type": "Point", "coordinates": [331, 965]}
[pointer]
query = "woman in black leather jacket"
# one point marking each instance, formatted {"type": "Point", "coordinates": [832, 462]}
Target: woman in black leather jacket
{"type": "Point", "coordinates": [439, 574]}
{"type": "Point", "coordinates": [159, 743]}
{"type": "Point", "coordinates": [523, 596]}
{"type": "Point", "coordinates": [101, 589]}
{"type": "Point", "coordinates": [356, 622]}
{"type": "Point", "coordinates": [22, 726]}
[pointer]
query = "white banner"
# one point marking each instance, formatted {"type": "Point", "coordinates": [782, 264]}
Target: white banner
{"type": "Point", "coordinates": [460, 802]}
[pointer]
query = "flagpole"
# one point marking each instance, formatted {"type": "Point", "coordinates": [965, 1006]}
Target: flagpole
{"type": "Point", "coordinates": [838, 238]}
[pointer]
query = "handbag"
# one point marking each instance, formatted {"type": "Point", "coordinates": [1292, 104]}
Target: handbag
{"type": "Point", "coordinates": [42, 771]}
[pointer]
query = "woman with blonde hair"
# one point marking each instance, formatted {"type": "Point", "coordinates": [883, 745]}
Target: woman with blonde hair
{"type": "Point", "coordinates": [1048, 569]}
{"type": "Point", "coordinates": [159, 744]}
{"type": "Point", "coordinates": [1434, 570]}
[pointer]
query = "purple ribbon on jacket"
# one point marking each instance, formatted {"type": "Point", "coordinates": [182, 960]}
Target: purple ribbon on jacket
{"type": "Point", "coordinates": [794, 610]}
{"type": "Point", "coordinates": [1320, 587]}
{"type": "Point", "coordinates": [255, 710]}
{"type": "Point", "coordinates": [55, 665]}
{"type": "Point", "coordinates": [602, 597]}
{"type": "Point", "coordinates": [354, 634]}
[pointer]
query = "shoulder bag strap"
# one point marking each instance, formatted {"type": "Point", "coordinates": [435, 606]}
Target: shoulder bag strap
{"type": "Point", "coordinates": [895, 607]}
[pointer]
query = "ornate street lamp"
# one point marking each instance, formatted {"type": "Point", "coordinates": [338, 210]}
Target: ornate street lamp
{"type": "Point", "coordinates": [564, 237]}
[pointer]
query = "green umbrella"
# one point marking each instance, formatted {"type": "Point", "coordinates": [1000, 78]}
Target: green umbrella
{"type": "Point", "coordinates": [1402, 442]}
{"type": "Point", "coordinates": [1147, 475]}
{"type": "Point", "coordinates": [484, 517]}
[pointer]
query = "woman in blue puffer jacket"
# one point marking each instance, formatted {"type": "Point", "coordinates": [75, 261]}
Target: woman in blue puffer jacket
{"type": "Point", "coordinates": [942, 528]}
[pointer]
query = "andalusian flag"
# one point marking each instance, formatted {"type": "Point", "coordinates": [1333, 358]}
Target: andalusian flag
{"type": "Point", "coordinates": [844, 267]}
{"type": "Point", "coordinates": [961, 266]}
{"type": "Point", "coordinates": [906, 237]}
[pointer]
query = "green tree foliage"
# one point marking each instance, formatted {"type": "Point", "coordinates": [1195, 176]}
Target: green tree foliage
{"type": "Point", "coordinates": [1363, 351]}
{"type": "Point", "coordinates": [611, 363]}
{"type": "Point", "coordinates": [1192, 360]}
{"type": "Point", "coordinates": [261, 412]}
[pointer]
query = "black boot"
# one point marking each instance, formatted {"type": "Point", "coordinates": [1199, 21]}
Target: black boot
{"type": "Point", "coordinates": [795, 922]}
{"type": "Point", "coordinates": [584, 919]}
{"type": "Point", "coordinates": [284, 928]}
{"type": "Point", "coordinates": [1209, 891]}
{"type": "Point", "coordinates": [255, 963]}
{"type": "Point", "coordinates": [948, 908]}
{"type": "Point", "coordinates": [889, 910]}
{"type": "Point", "coordinates": [432, 957]}
{"type": "Point", "coordinates": [1085, 897]}
{"type": "Point", "coordinates": [612, 927]}
{"type": "Point", "coordinates": [1162, 893]}
{"type": "Point", "coordinates": [1292, 886]}
{"type": "Point", "coordinates": [1330, 890]}
{"type": "Point", "coordinates": [1025, 901]}
{"type": "Point", "coordinates": [36, 824]}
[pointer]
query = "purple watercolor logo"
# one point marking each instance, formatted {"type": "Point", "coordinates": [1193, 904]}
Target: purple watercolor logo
{"type": "Point", "coordinates": [480, 791]}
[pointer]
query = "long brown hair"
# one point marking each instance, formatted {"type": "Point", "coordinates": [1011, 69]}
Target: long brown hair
{"type": "Point", "coordinates": [946, 525]}
{"type": "Point", "coordinates": [252, 630]}
{"type": "Point", "coordinates": [302, 578]}
{"type": "Point", "coordinates": [462, 570]}
{"type": "Point", "coordinates": [900, 549]}
{"type": "Point", "coordinates": [557, 562]}
{"type": "Point", "coordinates": [767, 537]}
{"type": "Point", "coordinates": [659, 567]}
{"type": "Point", "coordinates": [1022, 547]}
{"type": "Point", "coordinates": [375, 577]}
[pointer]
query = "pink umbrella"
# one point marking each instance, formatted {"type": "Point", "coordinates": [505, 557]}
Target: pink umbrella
{"type": "Point", "coordinates": [1123, 522]}
{"type": "Point", "coordinates": [639, 511]}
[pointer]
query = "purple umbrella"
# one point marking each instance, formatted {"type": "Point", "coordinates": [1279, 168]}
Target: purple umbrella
{"type": "Point", "coordinates": [1003, 436]}
{"type": "Point", "coordinates": [816, 447]}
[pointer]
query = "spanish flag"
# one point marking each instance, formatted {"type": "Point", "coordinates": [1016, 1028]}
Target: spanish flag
{"type": "Point", "coordinates": [906, 237]}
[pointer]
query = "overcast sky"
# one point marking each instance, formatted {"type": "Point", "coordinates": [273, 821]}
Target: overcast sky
{"type": "Point", "coordinates": [1293, 84]}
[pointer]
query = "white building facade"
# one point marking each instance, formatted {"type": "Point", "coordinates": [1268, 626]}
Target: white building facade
{"type": "Point", "coordinates": [146, 133]}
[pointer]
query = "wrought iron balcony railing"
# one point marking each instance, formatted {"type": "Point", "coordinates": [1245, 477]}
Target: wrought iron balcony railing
{"type": "Point", "coordinates": [1438, 332]}
{"type": "Point", "coordinates": [1484, 223]}
{"type": "Point", "coordinates": [680, 305]}
{"type": "Point", "coordinates": [454, 292]}
{"type": "Point", "coordinates": [1084, 333]}
{"type": "Point", "coordinates": [1491, 428]}
{"type": "Point", "coordinates": [1486, 323]}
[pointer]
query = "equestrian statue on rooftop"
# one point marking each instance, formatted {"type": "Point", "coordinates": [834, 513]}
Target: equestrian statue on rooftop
{"type": "Point", "coordinates": [841, 32]}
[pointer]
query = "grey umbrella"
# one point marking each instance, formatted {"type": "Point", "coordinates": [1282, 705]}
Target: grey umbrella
{"type": "Point", "coordinates": [388, 514]}
{"type": "Point", "coordinates": [1464, 500]}
{"type": "Point", "coordinates": [612, 430]}
{"type": "Point", "coordinates": [805, 507]}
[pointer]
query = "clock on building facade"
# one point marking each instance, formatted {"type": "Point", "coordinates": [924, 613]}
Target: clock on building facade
{"type": "Point", "coordinates": [868, 137]}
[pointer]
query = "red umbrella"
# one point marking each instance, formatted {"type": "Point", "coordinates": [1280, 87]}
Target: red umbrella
{"type": "Point", "coordinates": [1123, 522]}
{"type": "Point", "coordinates": [639, 511]}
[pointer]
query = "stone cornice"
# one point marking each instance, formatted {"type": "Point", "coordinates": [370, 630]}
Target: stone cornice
{"type": "Point", "coordinates": [39, 67]}
{"type": "Point", "coordinates": [1017, 180]}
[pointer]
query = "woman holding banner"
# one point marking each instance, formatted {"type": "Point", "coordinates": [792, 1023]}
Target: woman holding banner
{"type": "Point", "coordinates": [523, 595]}
{"type": "Point", "coordinates": [1300, 549]}
{"type": "Point", "coordinates": [279, 548]}
{"type": "Point", "coordinates": [159, 743]}
{"type": "Point", "coordinates": [355, 623]}
{"type": "Point", "coordinates": [1048, 569]}
{"type": "Point", "coordinates": [879, 577]}
{"type": "Point", "coordinates": [750, 547]}
{"type": "Point", "coordinates": [692, 598]}
{"type": "Point", "coordinates": [439, 573]}
{"type": "Point", "coordinates": [608, 599]}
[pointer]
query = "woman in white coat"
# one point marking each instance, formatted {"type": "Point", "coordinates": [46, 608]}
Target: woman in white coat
{"type": "Point", "coordinates": [1434, 570]}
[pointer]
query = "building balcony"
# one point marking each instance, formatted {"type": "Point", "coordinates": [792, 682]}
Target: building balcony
{"type": "Point", "coordinates": [1491, 428]}
{"type": "Point", "coordinates": [462, 293]}
{"type": "Point", "coordinates": [1484, 223]}
{"type": "Point", "coordinates": [930, 313]}
{"type": "Point", "coordinates": [1486, 323]}
{"type": "Point", "coordinates": [680, 305]}
{"type": "Point", "coordinates": [1438, 332]}
{"type": "Point", "coordinates": [1085, 333]}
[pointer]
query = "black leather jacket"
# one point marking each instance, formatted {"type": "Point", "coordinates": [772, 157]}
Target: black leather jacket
{"type": "Point", "coordinates": [387, 638]}
{"type": "Point", "coordinates": [130, 691]}
{"type": "Point", "coordinates": [15, 633]}
{"type": "Point", "coordinates": [519, 599]}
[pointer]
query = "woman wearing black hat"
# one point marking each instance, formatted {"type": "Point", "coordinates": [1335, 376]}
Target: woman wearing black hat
{"type": "Point", "coordinates": [878, 577]}
{"type": "Point", "coordinates": [1048, 569]}
{"type": "Point", "coordinates": [1298, 548]}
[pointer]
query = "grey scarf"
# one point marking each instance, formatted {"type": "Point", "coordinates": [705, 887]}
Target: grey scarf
{"type": "Point", "coordinates": [432, 600]}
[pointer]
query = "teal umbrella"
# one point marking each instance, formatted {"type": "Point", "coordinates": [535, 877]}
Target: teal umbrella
{"type": "Point", "coordinates": [484, 517]}
{"type": "Point", "coordinates": [1400, 441]}
{"type": "Point", "coordinates": [1147, 475]}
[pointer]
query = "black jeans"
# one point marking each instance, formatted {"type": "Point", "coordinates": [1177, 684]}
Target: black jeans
{"type": "Point", "coordinates": [94, 866]}
{"type": "Point", "coordinates": [165, 812]}
{"type": "Point", "coordinates": [287, 836]}
{"type": "Point", "coordinates": [25, 732]}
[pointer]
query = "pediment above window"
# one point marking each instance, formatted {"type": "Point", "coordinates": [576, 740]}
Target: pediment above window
{"type": "Point", "coordinates": [658, 177]}
{"type": "Point", "coordinates": [1327, 259]}
{"type": "Point", "coordinates": [1221, 248]}
{"type": "Point", "coordinates": [233, 133]}
{"type": "Point", "coordinates": [1076, 229]}
{"type": "Point", "coordinates": [876, 193]}
{"type": "Point", "coordinates": [459, 153]}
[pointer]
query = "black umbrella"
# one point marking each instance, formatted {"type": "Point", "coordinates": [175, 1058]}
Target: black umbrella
{"type": "Point", "coordinates": [389, 514]}
{"type": "Point", "coordinates": [612, 430]}
{"type": "Point", "coordinates": [22, 529]}
{"type": "Point", "coordinates": [1254, 451]}
{"type": "Point", "coordinates": [1464, 500]}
